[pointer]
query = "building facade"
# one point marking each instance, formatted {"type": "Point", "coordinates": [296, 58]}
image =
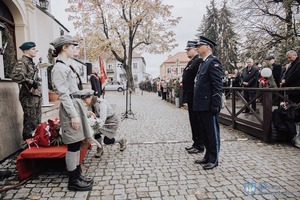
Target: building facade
{"type": "Point", "coordinates": [20, 21]}
{"type": "Point", "coordinates": [115, 71]}
{"type": "Point", "coordinates": [173, 67]}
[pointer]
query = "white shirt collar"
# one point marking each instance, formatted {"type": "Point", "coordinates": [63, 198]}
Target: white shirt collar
{"type": "Point", "coordinates": [204, 59]}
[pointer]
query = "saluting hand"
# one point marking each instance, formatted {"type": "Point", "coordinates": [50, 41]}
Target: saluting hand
{"type": "Point", "coordinates": [75, 123]}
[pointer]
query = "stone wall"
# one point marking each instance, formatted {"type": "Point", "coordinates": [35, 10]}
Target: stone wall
{"type": "Point", "coordinates": [11, 119]}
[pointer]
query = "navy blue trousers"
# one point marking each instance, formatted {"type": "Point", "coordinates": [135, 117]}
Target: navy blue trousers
{"type": "Point", "coordinates": [209, 126]}
{"type": "Point", "coordinates": [196, 130]}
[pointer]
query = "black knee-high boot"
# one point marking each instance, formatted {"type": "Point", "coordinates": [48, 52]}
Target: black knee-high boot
{"type": "Point", "coordinates": [82, 178]}
{"type": "Point", "coordinates": [76, 184]}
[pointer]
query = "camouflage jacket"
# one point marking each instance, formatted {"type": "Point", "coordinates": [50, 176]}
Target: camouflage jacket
{"type": "Point", "coordinates": [24, 74]}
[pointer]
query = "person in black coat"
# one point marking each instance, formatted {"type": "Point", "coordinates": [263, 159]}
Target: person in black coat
{"type": "Point", "coordinates": [188, 81]}
{"type": "Point", "coordinates": [208, 101]}
{"type": "Point", "coordinates": [276, 69]}
{"type": "Point", "coordinates": [291, 77]}
{"type": "Point", "coordinates": [250, 75]}
{"type": "Point", "coordinates": [96, 83]}
{"type": "Point", "coordinates": [236, 81]}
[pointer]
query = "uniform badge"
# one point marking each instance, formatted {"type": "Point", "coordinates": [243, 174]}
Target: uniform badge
{"type": "Point", "coordinates": [216, 65]}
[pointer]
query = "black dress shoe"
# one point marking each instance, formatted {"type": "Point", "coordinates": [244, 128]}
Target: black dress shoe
{"type": "Point", "coordinates": [208, 166]}
{"type": "Point", "coordinates": [5, 174]}
{"type": "Point", "coordinates": [194, 151]}
{"type": "Point", "coordinates": [201, 162]}
{"type": "Point", "coordinates": [189, 148]}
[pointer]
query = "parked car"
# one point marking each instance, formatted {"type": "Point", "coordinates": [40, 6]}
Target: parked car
{"type": "Point", "coordinates": [114, 86]}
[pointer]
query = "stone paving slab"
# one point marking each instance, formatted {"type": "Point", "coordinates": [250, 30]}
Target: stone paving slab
{"type": "Point", "coordinates": [156, 166]}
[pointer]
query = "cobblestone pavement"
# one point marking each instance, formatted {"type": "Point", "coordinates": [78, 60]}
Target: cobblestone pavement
{"type": "Point", "coordinates": [155, 165]}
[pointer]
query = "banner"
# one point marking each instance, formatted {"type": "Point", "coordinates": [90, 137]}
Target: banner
{"type": "Point", "coordinates": [80, 4]}
{"type": "Point", "coordinates": [102, 70]}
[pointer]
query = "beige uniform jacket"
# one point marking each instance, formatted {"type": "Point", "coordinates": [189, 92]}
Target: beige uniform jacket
{"type": "Point", "coordinates": [64, 82]}
{"type": "Point", "coordinates": [106, 118]}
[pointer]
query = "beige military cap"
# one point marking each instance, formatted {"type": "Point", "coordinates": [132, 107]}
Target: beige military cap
{"type": "Point", "coordinates": [62, 40]}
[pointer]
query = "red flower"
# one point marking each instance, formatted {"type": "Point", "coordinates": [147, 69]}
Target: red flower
{"type": "Point", "coordinates": [54, 128]}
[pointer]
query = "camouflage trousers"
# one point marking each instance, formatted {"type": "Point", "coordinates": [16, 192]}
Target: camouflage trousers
{"type": "Point", "coordinates": [32, 114]}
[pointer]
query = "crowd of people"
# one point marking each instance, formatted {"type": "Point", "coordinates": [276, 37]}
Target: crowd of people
{"type": "Point", "coordinates": [251, 76]}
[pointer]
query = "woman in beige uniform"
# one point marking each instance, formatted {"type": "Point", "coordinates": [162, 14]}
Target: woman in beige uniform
{"type": "Point", "coordinates": [107, 120]}
{"type": "Point", "coordinates": [72, 114]}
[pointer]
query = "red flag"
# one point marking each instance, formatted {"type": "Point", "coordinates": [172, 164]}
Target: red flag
{"type": "Point", "coordinates": [102, 70]}
{"type": "Point", "coordinates": [80, 4]}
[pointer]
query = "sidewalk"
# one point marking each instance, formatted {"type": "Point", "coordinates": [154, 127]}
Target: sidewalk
{"type": "Point", "coordinates": [155, 165]}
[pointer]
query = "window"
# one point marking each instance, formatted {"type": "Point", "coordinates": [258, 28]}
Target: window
{"type": "Point", "coordinates": [181, 70]}
{"type": "Point", "coordinates": [122, 75]}
{"type": "Point", "coordinates": [7, 40]}
{"type": "Point", "coordinates": [109, 66]}
{"type": "Point", "coordinates": [169, 70]}
{"type": "Point", "coordinates": [175, 71]}
{"type": "Point", "coordinates": [135, 65]}
{"type": "Point", "coordinates": [135, 78]}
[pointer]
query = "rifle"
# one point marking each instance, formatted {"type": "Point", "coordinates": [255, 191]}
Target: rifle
{"type": "Point", "coordinates": [36, 78]}
{"type": "Point", "coordinates": [36, 72]}
{"type": "Point", "coordinates": [2, 50]}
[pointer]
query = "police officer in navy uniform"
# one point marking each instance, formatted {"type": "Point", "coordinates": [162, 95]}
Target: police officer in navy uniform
{"type": "Point", "coordinates": [208, 101]}
{"type": "Point", "coordinates": [188, 81]}
{"type": "Point", "coordinates": [25, 73]}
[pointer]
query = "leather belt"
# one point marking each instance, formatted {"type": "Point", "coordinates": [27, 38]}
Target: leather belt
{"type": "Point", "coordinates": [76, 96]}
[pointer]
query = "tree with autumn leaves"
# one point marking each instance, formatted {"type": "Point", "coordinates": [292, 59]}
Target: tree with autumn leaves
{"type": "Point", "coordinates": [119, 27]}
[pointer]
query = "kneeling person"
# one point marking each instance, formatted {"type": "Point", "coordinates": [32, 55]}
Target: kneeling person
{"type": "Point", "coordinates": [107, 120]}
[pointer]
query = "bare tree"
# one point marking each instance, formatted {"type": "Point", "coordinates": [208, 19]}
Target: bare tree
{"type": "Point", "coordinates": [267, 26]}
{"type": "Point", "coordinates": [121, 26]}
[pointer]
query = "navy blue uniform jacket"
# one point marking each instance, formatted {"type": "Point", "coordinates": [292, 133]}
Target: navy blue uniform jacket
{"type": "Point", "coordinates": [208, 85]}
{"type": "Point", "coordinates": [188, 78]}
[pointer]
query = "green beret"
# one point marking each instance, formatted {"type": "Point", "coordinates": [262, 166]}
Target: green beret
{"type": "Point", "coordinates": [27, 45]}
{"type": "Point", "coordinates": [62, 40]}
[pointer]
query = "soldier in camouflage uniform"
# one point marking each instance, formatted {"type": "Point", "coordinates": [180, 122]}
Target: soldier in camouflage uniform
{"type": "Point", "coordinates": [25, 73]}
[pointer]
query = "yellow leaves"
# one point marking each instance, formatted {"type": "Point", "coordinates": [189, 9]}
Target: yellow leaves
{"type": "Point", "coordinates": [113, 25]}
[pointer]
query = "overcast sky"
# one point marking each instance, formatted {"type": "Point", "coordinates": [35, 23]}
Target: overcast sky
{"type": "Point", "coordinates": [191, 12]}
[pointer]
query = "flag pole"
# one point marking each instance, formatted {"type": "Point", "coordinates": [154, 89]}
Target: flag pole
{"type": "Point", "coordinates": [80, 6]}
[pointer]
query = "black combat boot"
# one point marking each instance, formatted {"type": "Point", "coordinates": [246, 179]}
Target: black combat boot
{"type": "Point", "coordinates": [76, 184]}
{"type": "Point", "coordinates": [5, 174]}
{"type": "Point", "coordinates": [82, 178]}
